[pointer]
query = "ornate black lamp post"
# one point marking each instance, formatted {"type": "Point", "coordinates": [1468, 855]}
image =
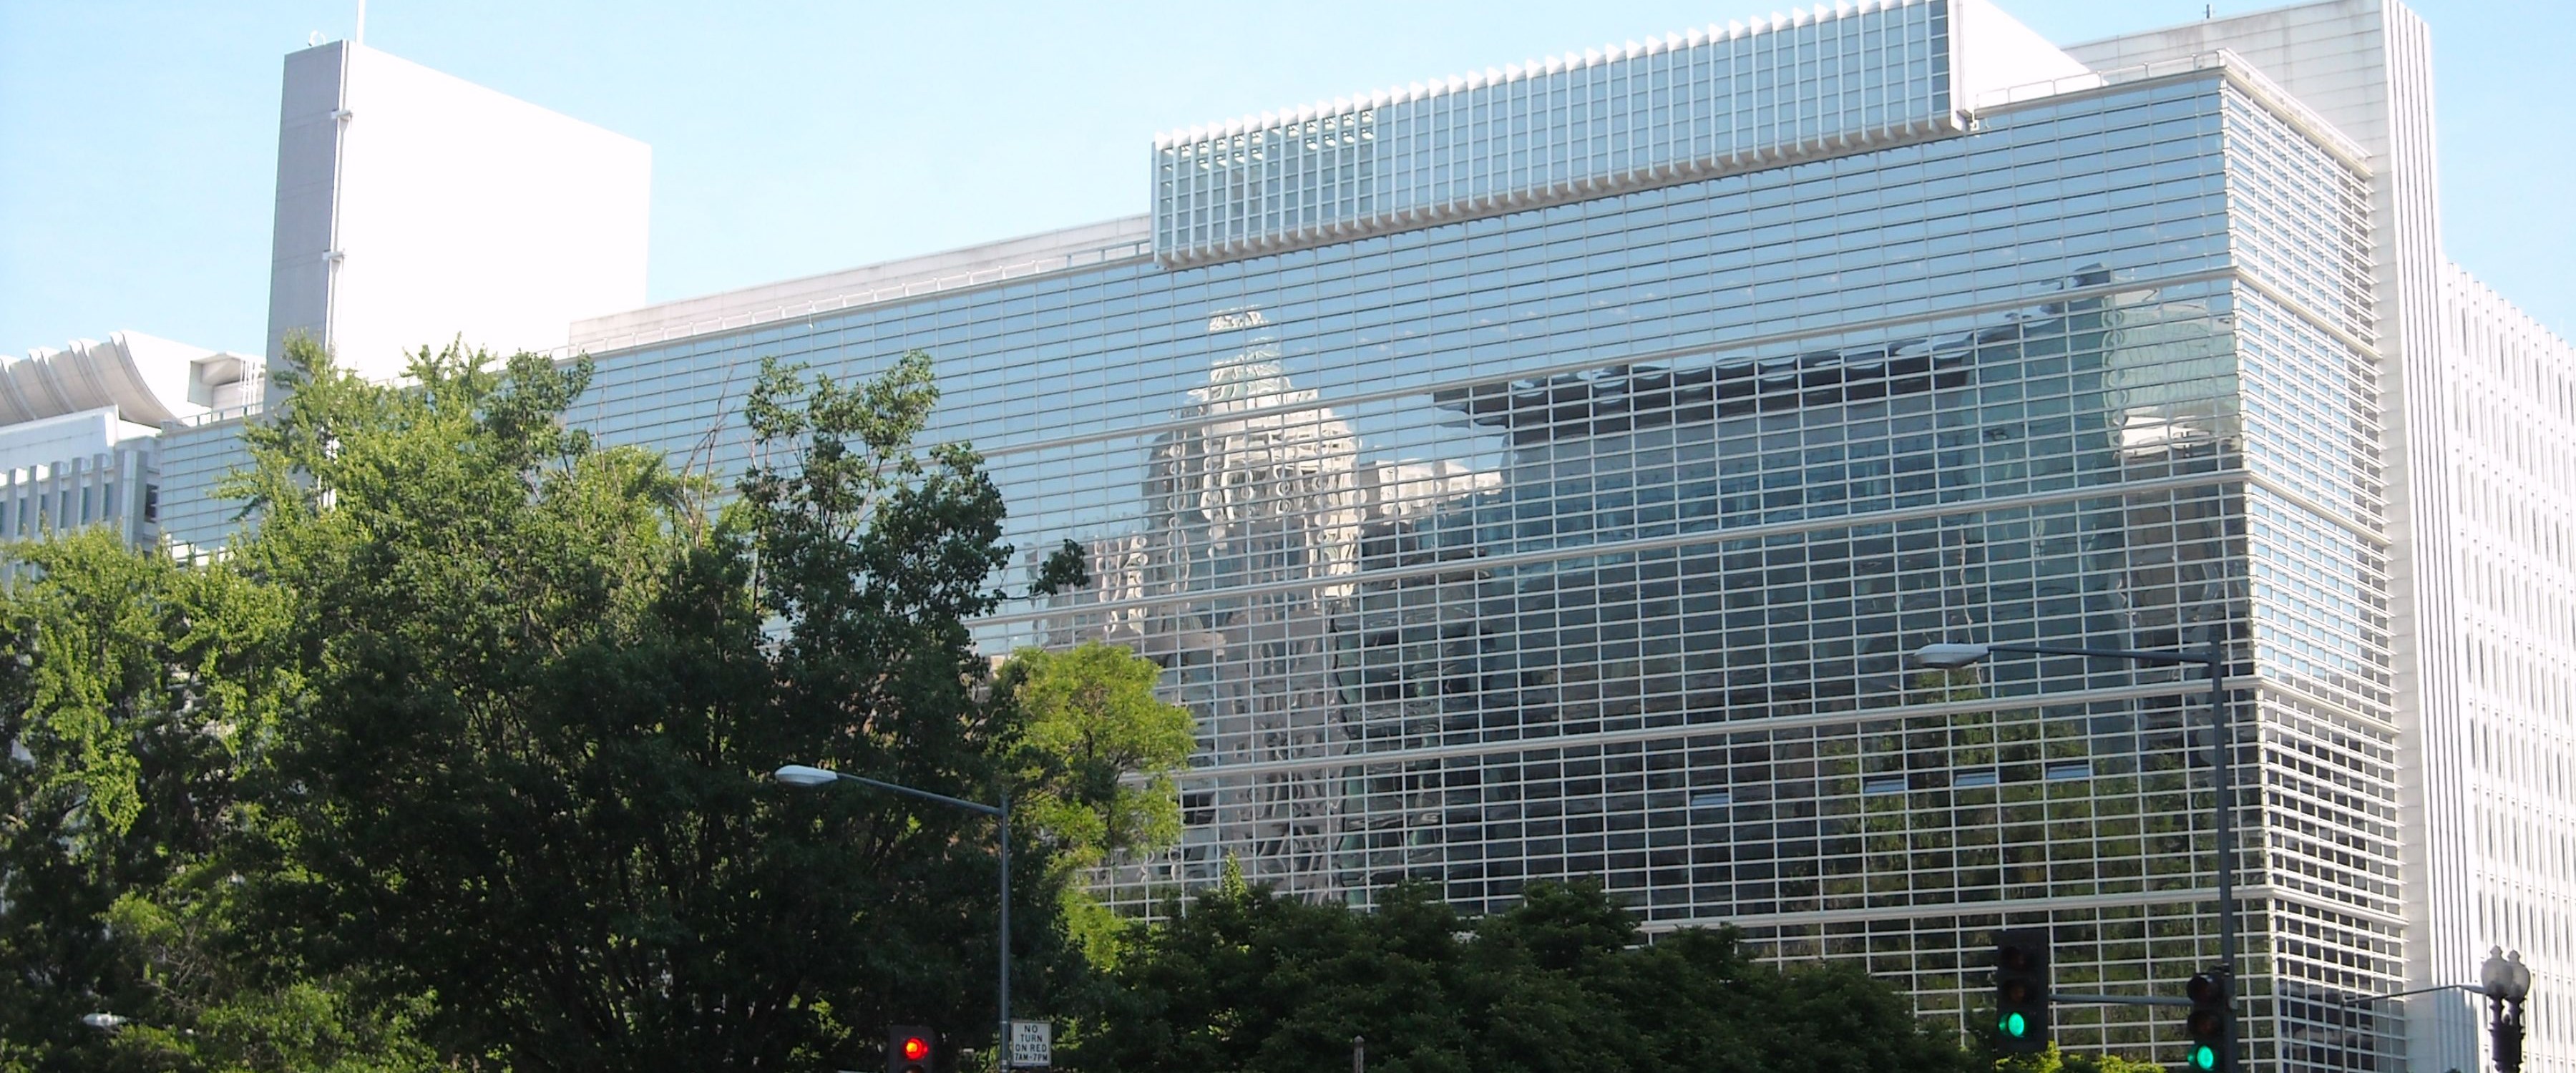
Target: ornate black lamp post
{"type": "Point", "coordinates": [2507, 981]}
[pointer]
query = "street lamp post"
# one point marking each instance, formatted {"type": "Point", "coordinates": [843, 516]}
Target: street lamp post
{"type": "Point", "coordinates": [2506, 981]}
{"type": "Point", "coordinates": [2222, 772]}
{"type": "Point", "coordinates": [803, 775]}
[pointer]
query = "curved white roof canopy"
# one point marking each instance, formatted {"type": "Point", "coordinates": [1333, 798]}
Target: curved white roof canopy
{"type": "Point", "coordinates": [149, 380]}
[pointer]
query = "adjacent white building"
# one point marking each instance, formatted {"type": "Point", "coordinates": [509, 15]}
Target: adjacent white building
{"type": "Point", "coordinates": [2496, 827]}
{"type": "Point", "coordinates": [80, 427]}
{"type": "Point", "coordinates": [415, 209]}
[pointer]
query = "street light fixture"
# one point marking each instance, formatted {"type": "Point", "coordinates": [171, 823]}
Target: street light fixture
{"type": "Point", "coordinates": [2507, 981]}
{"type": "Point", "coordinates": [2222, 768]}
{"type": "Point", "coordinates": [1950, 657]}
{"type": "Point", "coordinates": [801, 775]}
{"type": "Point", "coordinates": [806, 775]}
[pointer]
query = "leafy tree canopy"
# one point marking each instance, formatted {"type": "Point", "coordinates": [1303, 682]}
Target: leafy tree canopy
{"type": "Point", "coordinates": [1097, 755]}
{"type": "Point", "coordinates": [460, 757]}
{"type": "Point", "coordinates": [1248, 980]}
{"type": "Point", "coordinates": [2054, 1060]}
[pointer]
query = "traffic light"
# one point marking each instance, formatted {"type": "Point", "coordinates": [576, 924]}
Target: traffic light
{"type": "Point", "coordinates": [911, 1049]}
{"type": "Point", "coordinates": [2021, 990]}
{"type": "Point", "coordinates": [2207, 1023]}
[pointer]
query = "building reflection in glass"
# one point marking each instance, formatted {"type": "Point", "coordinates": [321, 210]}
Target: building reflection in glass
{"type": "Point", "coordinates": [1260, 513]}
{"type": "Point", "coordinates": [1654, 548]}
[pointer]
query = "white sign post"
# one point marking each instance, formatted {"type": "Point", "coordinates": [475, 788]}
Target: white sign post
{"type": "Point", "coordinates": [1032, 1044]}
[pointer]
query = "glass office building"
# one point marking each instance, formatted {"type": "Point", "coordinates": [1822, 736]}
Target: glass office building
{"type": "Point", "coordinates": [1543, 475]}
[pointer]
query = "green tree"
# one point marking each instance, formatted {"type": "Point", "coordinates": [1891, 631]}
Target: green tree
{"type": "Point", "coordinates": [1095, 765]}
{"type": "Point", "coordinates": [114, 773]}
{"type": "Point", "coordinates": [542, 684]}
{"type": "Point", "coordinates": [2054, 1060]}
{"type": "Point", "coordinates": [133, 691]}
{"type": "Point", "coordinates": [461, 756]}
{"type": "Point", "coordinates": [1250, 981]}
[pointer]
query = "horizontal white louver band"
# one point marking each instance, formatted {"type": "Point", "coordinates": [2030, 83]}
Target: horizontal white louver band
{"type": "Point", "coordinates": [1710, 103]}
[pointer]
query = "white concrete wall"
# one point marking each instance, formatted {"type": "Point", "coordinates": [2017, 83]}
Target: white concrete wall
{"type": "Point", "coordinates": [971, 266]}
{"type": "Point", "coordinates": [308, 174]}
{"type": "Point", "coordinates": [55, 439]}
{"type": "Point", "coordinates": [78, 470]}
{"type": "Point", "coordinates": [2512, 424]}
{"type": "Point", "coordinates": [1996, 54]}
{"type": "Point", "coordinates": [414, 207]}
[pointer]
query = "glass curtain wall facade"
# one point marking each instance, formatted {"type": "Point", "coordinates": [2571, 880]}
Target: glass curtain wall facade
{"type": "Point", "coordinates": [1586, 541]}
{"type": "Point", "coordinates": [1572, 521]}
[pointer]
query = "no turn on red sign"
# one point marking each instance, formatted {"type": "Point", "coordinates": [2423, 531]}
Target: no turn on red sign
{"type": "Point", "coordinates": [1032, 1044]}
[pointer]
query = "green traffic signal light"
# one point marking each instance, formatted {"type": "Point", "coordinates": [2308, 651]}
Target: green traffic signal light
{"type": "Point", "coordinates": [2021, 990]}
{"type": "Point", "coordinates": [2209, 1023]}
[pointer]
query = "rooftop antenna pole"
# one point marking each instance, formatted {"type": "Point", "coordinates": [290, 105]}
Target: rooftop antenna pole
{"type": "Point", "coordinates": [360, 38]}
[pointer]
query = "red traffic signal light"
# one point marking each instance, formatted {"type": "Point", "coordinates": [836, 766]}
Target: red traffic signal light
{"type": "Point", "coordinates": [911, 1049]}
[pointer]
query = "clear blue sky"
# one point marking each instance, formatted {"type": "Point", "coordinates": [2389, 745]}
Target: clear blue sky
{"type": "Point", "coordinates": [139, 138]}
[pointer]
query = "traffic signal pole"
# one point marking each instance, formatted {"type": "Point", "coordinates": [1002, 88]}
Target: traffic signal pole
{"type": "Point", "coordinates": [2116, 1000]}
{"type": "Point", "coordinates": [1002, 1042]}
{"type": "Point", "coordinates": [803, 775]}
{"type": "Point", "coordinates": [2222, 780]}
{"type": "Point", "coordinates": [2222, 777]}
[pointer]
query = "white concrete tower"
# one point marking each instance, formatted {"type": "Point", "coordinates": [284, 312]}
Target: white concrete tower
{"type": "Point", "coordinates": [414, 207]}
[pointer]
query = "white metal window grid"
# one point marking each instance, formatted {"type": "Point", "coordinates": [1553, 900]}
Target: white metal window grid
{"type": "Point", "coordinates": [2299, 216]}
{"type": "Point", "coordinates": [1294, 356]}
{"type": "Point", "coordinates": [1646, 472]}
{"type": "Point", "coordinates": [1416, 337]}
{"type": "Point", "coordinates": [1677, 107]}
{"type": "Point", "coordinates": [2127, 949]}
